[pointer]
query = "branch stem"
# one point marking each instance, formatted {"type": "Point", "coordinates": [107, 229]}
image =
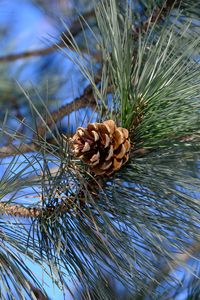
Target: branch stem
{"type": "Point", "coordinates": [19, 210]}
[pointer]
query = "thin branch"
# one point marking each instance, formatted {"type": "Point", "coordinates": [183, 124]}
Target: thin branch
{"type": "Point", "coordinates": [86, 99]}
{"type": "Point", "coordinates": [28, 54]}
{"type": "Point", "coordinates": [156, 15]}
{"type": "Point", "coordinates": [19, 210]}
{"type": "Point", "coordinates": [10, 150]}
{"type": "Point", "coordinates": [75, 29]}
{"type": "Point", "coordinates": [179, 260]}
{"type": "Point", "coordinates": [38, 293]}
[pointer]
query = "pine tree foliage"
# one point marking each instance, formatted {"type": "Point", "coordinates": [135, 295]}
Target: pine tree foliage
{"type": "Point", "coordinates": [123, 236]}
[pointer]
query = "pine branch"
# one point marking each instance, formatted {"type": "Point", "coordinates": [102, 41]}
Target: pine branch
{"type": "Point", "coordinates": [142, 200]}
{"type": "Point", "coordinates": [86, 99]}
{"type": "Point", "coordinates": [75, 29]}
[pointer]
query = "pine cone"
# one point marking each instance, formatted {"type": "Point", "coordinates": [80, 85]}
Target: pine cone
{"type": "Point", "coordinates": [103, 146]}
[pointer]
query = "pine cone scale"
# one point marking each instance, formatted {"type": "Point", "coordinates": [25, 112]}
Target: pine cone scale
{"type": "Point", "coordinates": [96, 136]}
{"type": "Point", "coordinates": [118, 138]}
{"type": "Point", "coordinates": [117, 164]}
{"type": "Point", "coordinates": [121, 152]}
{"type": "Point", "coordinates": [86, 147]}
{"type": "Point", "coordinates": [127, 145]}
{"type": "Point", "coordinates": [105, 140]}
{"type": "Point", "coordinates": [95, 157]}
{"type": "Point", "coordinates": [106, 165]}
{"type": "Point", "coordinates": [110, 153]}
{"type": "Point", "coordinates": [110, 124]}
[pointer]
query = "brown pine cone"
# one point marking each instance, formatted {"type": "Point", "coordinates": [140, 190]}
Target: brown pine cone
{"type": "Point", "coordinates": [103, 146]}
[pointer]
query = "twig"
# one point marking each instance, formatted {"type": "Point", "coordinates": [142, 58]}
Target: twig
{"type": "Point", "coordinates": [75, 29]}
{"type": "Point", "coordinates": [140, 152]}
{"type": "Point", "coordinates": [38, 293]}
{"type": "Point", "coordinates": [10, 150]}
{"type": "Point", "coordinates": [156, 15]}
{"type": "Point", "coordinates": [86, 99]}
{"type": "Point", "coordinates": [179, 260]}
{"type": "Point", "coordinates": [19, 210]}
